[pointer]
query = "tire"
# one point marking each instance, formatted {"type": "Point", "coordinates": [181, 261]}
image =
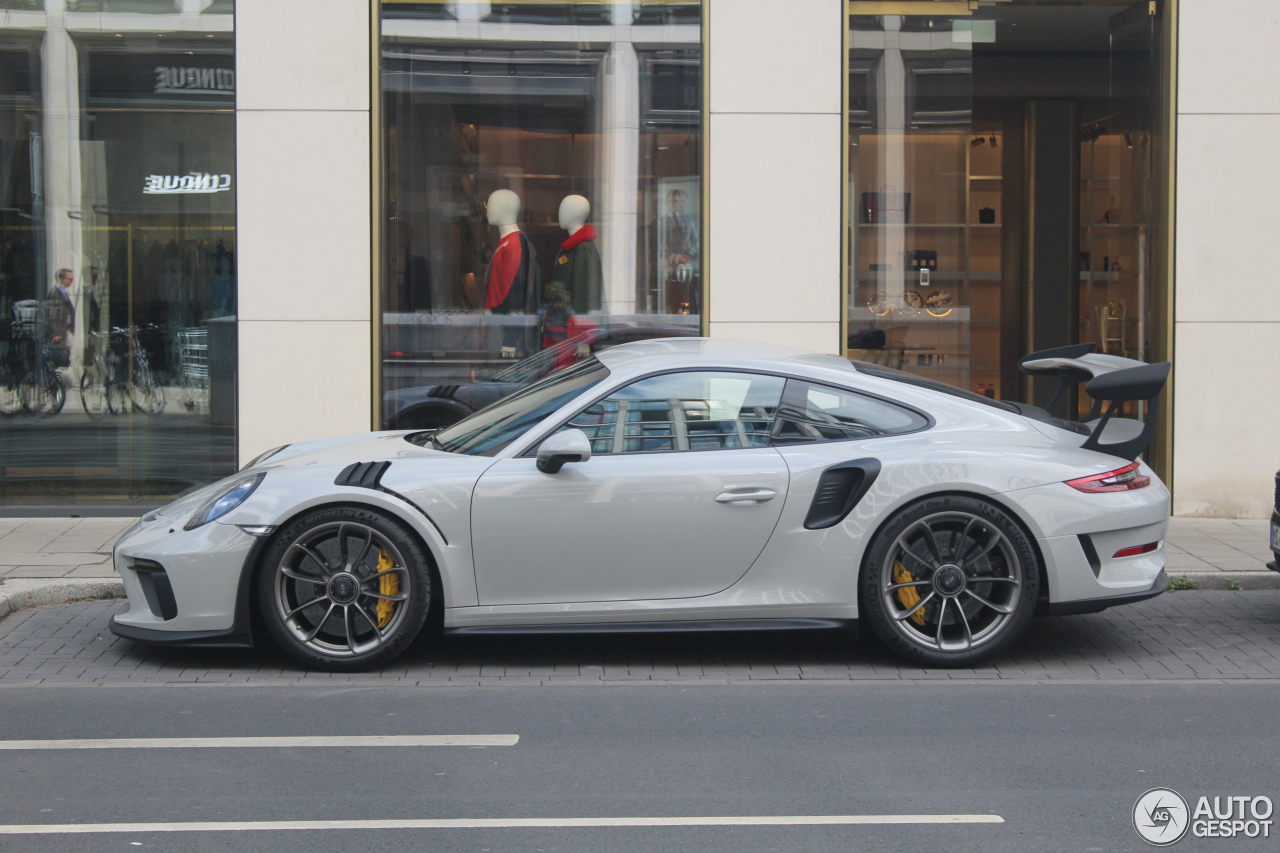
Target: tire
{"type": "Point", "coordinates": [93, 393]}
{"type": "Point", "coordinates": [42, 400]}
{"type": "Point", "coordinates": [333, 622]}
{"type": "Point", "coordinates": [949, 581]}
{"type": "Point", "coordinates": [147, 395]}
{"type": "Point", "coordinates": [10, 397]}
{"type": "Point", "coordinates": [117, 398]}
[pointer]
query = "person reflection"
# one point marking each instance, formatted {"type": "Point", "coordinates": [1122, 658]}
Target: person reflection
{"type": "Point", "coordinates": [62, 309]}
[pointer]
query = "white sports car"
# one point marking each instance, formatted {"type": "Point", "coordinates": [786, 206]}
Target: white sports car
{"type": "Point", "coordinates": [677, 484]}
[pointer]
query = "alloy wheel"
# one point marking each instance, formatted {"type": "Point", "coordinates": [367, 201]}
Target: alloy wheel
{"type": "Point", "coordinates": [341, 589]}
{"type": "Point", "coordinates": [951, 582]}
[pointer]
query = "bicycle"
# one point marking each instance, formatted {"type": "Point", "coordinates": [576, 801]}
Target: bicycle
{"type": "Point", "coordinates": [94, 381]}
{"type": "Point", "coordinates": [112, 383]}
{"type": "Point", "coordinates": [18, 355]}
{"type": "Point", "coordinates": [41, 390]}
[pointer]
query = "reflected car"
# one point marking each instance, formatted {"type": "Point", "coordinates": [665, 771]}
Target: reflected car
{"type": "Point", "coordinates": [438, 406]}
{"type": "Point", "coordinates": [676, 484]}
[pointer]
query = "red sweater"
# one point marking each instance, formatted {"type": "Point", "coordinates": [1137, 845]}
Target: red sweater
{"type": "Point", "coordinates": [503, 269]}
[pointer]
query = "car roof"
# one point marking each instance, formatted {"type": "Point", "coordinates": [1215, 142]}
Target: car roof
{"type": "Point", "coordinates": [692, 352]}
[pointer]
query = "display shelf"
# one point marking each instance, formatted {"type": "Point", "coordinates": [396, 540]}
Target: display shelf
{"type": "Point", "coordinates": [911, 225]}
{"type": "Point", "coordinates": [1113, 275]}
{"type": "Point", "coordinates": [986, 177]}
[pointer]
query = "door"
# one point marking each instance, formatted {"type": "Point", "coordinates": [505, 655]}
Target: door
{"type": "Point", "coordinates": [678, 499]}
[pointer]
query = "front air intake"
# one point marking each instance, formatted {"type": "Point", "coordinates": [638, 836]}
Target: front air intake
{"type": "Point", "coordinates": [156, 588]}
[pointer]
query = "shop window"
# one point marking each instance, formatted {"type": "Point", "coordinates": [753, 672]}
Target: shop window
{"type": "Point", "coordinates": [542, 186]}
{"type": "Point", "coordinates": [117, 255]}
{"type": "Point", "coordinates": [1003, 187]}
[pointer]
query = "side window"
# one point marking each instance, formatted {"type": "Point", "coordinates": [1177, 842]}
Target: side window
{"type": "Point", "coordinates": [701, 410]}
{"type": "Point", "coordinates": [811, 412]}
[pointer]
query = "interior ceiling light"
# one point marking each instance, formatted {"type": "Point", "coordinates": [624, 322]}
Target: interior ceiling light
{"type": "Point", "coordinates": [976, 141]}
{"type": "Point", "coordinates": [992, 141]}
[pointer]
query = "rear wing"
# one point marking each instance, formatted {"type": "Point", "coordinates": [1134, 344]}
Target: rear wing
{"type": "Point", "coordinates": [1111, 379]}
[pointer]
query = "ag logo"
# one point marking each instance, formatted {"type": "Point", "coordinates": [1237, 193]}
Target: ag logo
{"type": "Point", "coordinates": [1161, 816]}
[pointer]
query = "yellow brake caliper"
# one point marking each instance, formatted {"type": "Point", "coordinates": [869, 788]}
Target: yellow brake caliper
{"type": "Point", "coordinates": [388, 584]}
{"type": "Point", "coordinates": [907, 596]}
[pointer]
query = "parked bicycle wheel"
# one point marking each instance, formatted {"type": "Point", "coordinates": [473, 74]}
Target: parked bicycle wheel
{"type": "Point", "coordinates": [93, 393]}
{"type": "Point", "coordinates": [42, 396]}
{"type": "Point", "coordinates": [147, 395]}
{"type": "Point", "coordinates": [117, 397]}
{"type": "Point", "coordinates": [10, 397]}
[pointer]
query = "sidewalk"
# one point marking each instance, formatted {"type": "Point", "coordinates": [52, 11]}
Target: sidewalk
{"type": "Point", "coordinates": [81, 547]}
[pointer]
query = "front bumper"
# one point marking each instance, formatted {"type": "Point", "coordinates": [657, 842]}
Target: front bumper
{"type": "Point", "coordinates": [186, 587]}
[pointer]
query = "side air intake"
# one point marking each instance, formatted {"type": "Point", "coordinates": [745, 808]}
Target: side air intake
{"type": "Point", "coordinates": [839, 489]}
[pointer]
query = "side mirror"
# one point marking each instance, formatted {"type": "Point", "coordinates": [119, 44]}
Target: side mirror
{"type": "Point", "coordinates": [572, 445]}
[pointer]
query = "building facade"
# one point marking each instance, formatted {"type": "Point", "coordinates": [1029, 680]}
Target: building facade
{"type": "Point", "coordinates": [227, 225]}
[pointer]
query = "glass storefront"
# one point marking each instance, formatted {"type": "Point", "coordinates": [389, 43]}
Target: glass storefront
{"type": "Point", "coordinates": [1004, 189]}
{"type": "Point", "coordinates": [542, 194]}
{"type": "Point", "coordinates": [117, 251]}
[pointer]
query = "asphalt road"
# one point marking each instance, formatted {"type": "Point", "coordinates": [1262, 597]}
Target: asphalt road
{"type": "Point", "coordinates": [1061, 764]}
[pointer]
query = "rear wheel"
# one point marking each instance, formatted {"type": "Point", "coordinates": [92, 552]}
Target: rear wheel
{"type": "Point", "coordinates": [10, 396]}
{"type": "Point", "coordinates": [93, 393]}
{"type": "Point", "coordinates": [950, 581]}
{"type": "Point", "coordinates": [344, 589]}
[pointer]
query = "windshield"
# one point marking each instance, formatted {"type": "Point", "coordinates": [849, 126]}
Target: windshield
{"type": "Point", "coordinates": [489, 430]}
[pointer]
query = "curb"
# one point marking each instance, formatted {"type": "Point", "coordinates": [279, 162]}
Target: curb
{"type": "Point", "coordinates": [1224, 580]}
{"type": "Point", "coordinates": [20, 593]}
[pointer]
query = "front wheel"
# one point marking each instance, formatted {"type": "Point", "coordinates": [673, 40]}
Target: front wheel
{"type": "Point", "coordinates": [950, 581]}
{"type": "Point", "coordinates": [10, 396]}
{"type": "Point", "coordinates": [344, 589]}
{"type": "Point", "coordinates": [93, 393]}
{"type": "Point", "coordinates": [42, 396]}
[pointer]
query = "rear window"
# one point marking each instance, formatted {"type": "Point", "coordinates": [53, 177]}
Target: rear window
{"type": "Point", "coordinates": [932, 384]}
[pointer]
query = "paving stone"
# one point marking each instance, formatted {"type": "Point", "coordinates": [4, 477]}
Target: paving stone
{"type": "Point", "coordinates": [1184, 635]}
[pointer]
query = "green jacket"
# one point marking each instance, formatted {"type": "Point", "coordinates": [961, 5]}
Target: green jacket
{"type": "Point", "coordinates": [578, 267]}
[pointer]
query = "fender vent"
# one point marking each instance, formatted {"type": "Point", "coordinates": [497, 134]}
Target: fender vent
{"type": "Point", "coordinates": [362, 475]}
{"type": "Point", "coordinates": [839, 489]}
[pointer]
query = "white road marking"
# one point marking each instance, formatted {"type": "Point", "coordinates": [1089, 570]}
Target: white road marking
{"type": "Point", "coordinates": [500, 823]}
{"type": "Point", "coordinates": [272, 742]}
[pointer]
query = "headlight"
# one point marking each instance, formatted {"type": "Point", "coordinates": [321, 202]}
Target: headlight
{"type": "Point", "coordinates": [263, 457]}
{"type": "Point", "coordinates": [225, 501]}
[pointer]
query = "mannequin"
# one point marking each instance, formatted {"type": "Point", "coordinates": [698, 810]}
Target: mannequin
{"type": "Point", "coordinates": [577, 265]}
{"type": "Point", "coordinates": [512, 283]}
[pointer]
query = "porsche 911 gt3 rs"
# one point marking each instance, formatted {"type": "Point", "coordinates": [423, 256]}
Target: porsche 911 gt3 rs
{"type": "Point", "coordinates": [678, 484]}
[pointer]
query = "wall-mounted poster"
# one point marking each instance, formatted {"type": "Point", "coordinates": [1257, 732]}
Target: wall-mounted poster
{"type": "Point", "coordinates": [679, 261]}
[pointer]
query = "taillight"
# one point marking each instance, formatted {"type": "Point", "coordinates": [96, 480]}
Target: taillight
{"type": "Point", "coordinates": [1136, 550]}
{"type": "Point", "coordinates": [1120, 480]}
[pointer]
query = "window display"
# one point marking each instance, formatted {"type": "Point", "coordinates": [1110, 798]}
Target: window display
{"type": "Point", "coordinates": [117, 255]}
{"type": "Point", "coordinates": [995, 207]}
{"type": "Point", "coordinates": [542, 186]}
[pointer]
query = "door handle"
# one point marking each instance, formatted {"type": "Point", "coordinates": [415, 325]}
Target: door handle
{"type": "Point", "coordinates": [746, 497]}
